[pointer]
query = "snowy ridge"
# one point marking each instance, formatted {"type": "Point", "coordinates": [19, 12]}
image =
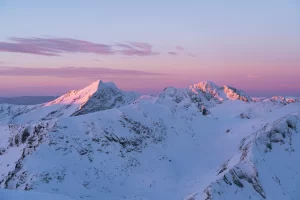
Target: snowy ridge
{"type": "Point", "coordinates": [278, 100]}
{"type": "Point", "coordinates": [284, 100]}
{"type": "Point", "coordinates": [8, 111]}
{"type": "Point", "coordinates": [219, 94]}
{"type": "Point", "coordinates": [202, 95]}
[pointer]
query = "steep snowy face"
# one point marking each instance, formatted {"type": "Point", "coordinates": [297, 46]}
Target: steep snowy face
{"type": "Point", "coordinates": [266, 166]}
{"type": "Point", "coordinates": [171, 96]}
{"type": "Point", "coordinates": [209, 90]}
{"type": "Point", "coordinates": [233, 93]}
{"type": "Point", "coordinates": [96, 97]}
{"type": "Point", "coordinates": [277, 100]}
{"type": "Point", "coordinates": [292, 99]}
{"type": "Point", "coordinates": [106, 96]}
{"type": "Point", "coordinates": [175, 98]}
{"type": "Point", "coordinates": [219, 94]}
{"type": "Point", "coordinates": [83, 95]}
{"type": "Point", "coordinates": [284, 100]}
{"type": "Point", "coordinates": [200, 96]}
{"type": "Point", "coordinates": [77, 96]}
{"type": "Point", "coordinates": [207, 87]}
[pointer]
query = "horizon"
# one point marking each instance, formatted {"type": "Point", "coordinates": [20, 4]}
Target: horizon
{"type": "Point", "coordinates": [141, 93]}
{"type": "Point", "coordinates": [146, 47]}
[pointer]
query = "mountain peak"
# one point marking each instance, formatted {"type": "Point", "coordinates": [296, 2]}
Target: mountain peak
{"type": "Point", "coordinates": [100, 85]}
{"type": "Point", "coordinates": [95, 97]}
{"type": "Point", "coordinates": [220, 93]}
{"type": "Point", "coordinates": [82, 95]}
{"type": "Point", "coordinates": [206, 86]}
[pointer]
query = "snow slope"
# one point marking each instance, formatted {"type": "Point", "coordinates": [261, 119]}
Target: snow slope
{"type": "Point", "coordinates": [266, 166]}
{"type": "Point", "coordinates": [20, 195]}
{"type": "Point", "coordinates": [177, 145]}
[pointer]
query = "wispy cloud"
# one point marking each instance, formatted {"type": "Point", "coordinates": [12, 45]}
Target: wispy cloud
{"type": "Point", "coordinates": [135, 48]}
{"type": "Point", "coordinates": [179, 48]}
{"type": "Point", "coordinates": [56, 46]}
{"type": "Point", "coordinates": [173, 53]}
{"type": "Point", "coordinates": [69, 72]}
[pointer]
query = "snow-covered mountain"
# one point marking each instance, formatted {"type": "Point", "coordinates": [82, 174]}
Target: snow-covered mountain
{"type": "Point", "coordinates": [201, 142]}
{"type": "Point", "coordinates": [95, 97]}
{"type": "Point", "coordinates": [219, 94]}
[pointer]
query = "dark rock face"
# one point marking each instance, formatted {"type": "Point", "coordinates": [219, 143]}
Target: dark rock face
{"type": "Point", "coordinates": [25, 135]}
{"type": "Point", "coordinates": [102, 100]}
{"type": "Point", "coordinates": [244, 116]}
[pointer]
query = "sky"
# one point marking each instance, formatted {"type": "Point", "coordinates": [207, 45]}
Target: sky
{"type": "Point", "coordinates": [51, 47]}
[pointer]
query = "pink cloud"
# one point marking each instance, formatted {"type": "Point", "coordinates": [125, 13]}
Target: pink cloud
{"type": "Point", "coordinates": [179, 48]}
{"type": "Point", "coordinates": [135, 48]}
{"type": "Point", "coordinates": [172, 53]}
{"type": "Point", "coordinates": [57, 46]}
{"type": "Point", "coordinates": [69, 72]}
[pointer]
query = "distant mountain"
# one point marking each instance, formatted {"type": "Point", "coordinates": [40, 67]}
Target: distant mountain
{"type": "Point", "coordinates": [204, 142]}
{"type": "Point", "coordinates": [96, 97]}
{"type": "Point", "coordinates": [26, 100]}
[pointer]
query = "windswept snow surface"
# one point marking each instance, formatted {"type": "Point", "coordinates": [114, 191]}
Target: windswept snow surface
{"type": "Point", "coordinates": [202, 142]}
{"type": "Point", "coordinates": [23, 195]}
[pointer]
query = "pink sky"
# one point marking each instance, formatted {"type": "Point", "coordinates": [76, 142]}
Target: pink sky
{"type": "Point", "coordinates": [258, 79]}
{"type": "Point", "coordinates": [27, 74]}
{"type": "Point", "coordinates": [146, 47]}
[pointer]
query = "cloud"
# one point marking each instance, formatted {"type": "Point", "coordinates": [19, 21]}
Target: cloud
{"type": "Point", "coordinates": [172, 53]}
{"type": "Point", "coordinates": [179, 48]}
{"type": "Point", "coordinates": [135, 48]}
{"type": "Point", "coordinates": [56, 46]}
{"type": "Point", "coordinates": [69, 72]}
